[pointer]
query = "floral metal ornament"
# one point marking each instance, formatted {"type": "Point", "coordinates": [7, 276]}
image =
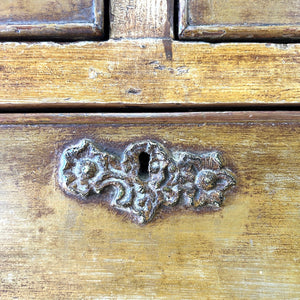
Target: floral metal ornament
{"type": "Point", "coordinates": [145, 178]}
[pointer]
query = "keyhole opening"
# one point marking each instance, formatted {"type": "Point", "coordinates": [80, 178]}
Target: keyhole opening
{"type": "Point", "coordinates": [144, 159]}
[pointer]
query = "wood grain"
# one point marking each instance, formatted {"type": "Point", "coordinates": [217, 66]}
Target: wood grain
{"type": "Point", "coordinates": [236, 19]}
{"type": "Point", "coordinates": [67, 19]}
{"type": "Point", "coordinates": [141, 19]}
{"type": "Point", "coordinates": [54, 247]}
{"type": "Point", "coordinates": [147, 72]}
{"type": "Point", "coordinates": [149, 118]}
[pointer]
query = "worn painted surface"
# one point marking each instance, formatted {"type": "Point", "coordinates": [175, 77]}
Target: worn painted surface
{"type": "Point", "coordinates": [236, 19]}
{"type": "Point", "coordinates": [67, 19]}
{"type": "Point", "coordinates": [148, 72]}
{"type": "Point", "coordinates": [54, 247]}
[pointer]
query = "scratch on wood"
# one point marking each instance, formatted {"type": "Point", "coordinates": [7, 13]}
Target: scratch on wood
{"type": "Point", "coordinates": [168, 49]}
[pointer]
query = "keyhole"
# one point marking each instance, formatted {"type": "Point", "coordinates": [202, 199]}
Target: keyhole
{"type": "Point", "coordinates": [144, 159]}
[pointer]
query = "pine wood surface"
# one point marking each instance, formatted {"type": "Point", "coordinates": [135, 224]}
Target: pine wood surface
{"type": "Point", "coordinates": [241, 12]}
{"type": "Point", "coordinates": [141, 19]}
{"type": "Point", "coordinates": [236, 19]}
{"type": "Point", "coordinates": [47, 19]}
{"type": "Point", "coordinates": [147, 72]}
{"type": "Point", "coordinates": [53, 247]}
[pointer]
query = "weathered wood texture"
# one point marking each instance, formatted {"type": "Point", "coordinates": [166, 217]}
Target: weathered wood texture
{"type": "Point", "coordinates": [236, 19]}
{"type": "Point", "coordinates": [147, 72]}
{"type": "Point", "coordinates": [66, 19]}
{"type": "Point", "coordinates": [54, 247]}
{"type": "Point", "coordinates": [141, 19]}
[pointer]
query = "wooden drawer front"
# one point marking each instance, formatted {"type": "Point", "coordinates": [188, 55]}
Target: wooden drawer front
{"type": "Point", "coordinates": [239, 19]}
{"type": "Point", "coordinates": [56, 246]}
{"type": "Point", "coordinates": [148, 72]}
{"type": "Point", "coordinates": [64, 19]}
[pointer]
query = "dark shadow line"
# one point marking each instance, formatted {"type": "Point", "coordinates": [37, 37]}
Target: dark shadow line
{"type": "Point", "coordinates": [151, 109]}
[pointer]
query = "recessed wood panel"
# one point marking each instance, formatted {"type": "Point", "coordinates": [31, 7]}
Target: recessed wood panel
{"type": "Point", "coordinates": [239, 19]}
{"type": "Point", "coordinates": [141, 19]}
{"type": "Point", "coordinates": [67, 19]}
{"type": "Point", "coordinates": [53, 246]}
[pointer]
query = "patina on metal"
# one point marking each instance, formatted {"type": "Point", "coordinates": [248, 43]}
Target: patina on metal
{"type": "Point", "coordinates": [145, 178]}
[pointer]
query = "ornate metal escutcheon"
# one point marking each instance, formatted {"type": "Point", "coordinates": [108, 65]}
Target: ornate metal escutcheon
{"type": "Point", "coordinates": [145, 178]}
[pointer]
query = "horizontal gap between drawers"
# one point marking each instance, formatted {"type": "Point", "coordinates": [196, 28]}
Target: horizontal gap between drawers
{"type": "Point", "coordinates": [149, 108]}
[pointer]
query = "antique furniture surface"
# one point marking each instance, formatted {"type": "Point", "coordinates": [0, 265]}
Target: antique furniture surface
{"type": "Point", "coordinates": [148, 151]}
{"type": "Point", "coordinates": [237, 19]}
{"type": "Point", "coordinates": [64, 19]}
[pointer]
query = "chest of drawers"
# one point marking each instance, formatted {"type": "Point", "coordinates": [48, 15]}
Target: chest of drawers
{"type": "Point", "coordinates": [146, 165]}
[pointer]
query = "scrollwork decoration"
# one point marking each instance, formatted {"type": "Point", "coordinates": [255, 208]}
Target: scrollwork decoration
{"type": "Point", "coordinates": [145, 178]}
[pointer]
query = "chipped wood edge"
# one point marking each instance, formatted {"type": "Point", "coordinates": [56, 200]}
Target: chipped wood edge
{"type": "Point", "coordinates": [149, 118]}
